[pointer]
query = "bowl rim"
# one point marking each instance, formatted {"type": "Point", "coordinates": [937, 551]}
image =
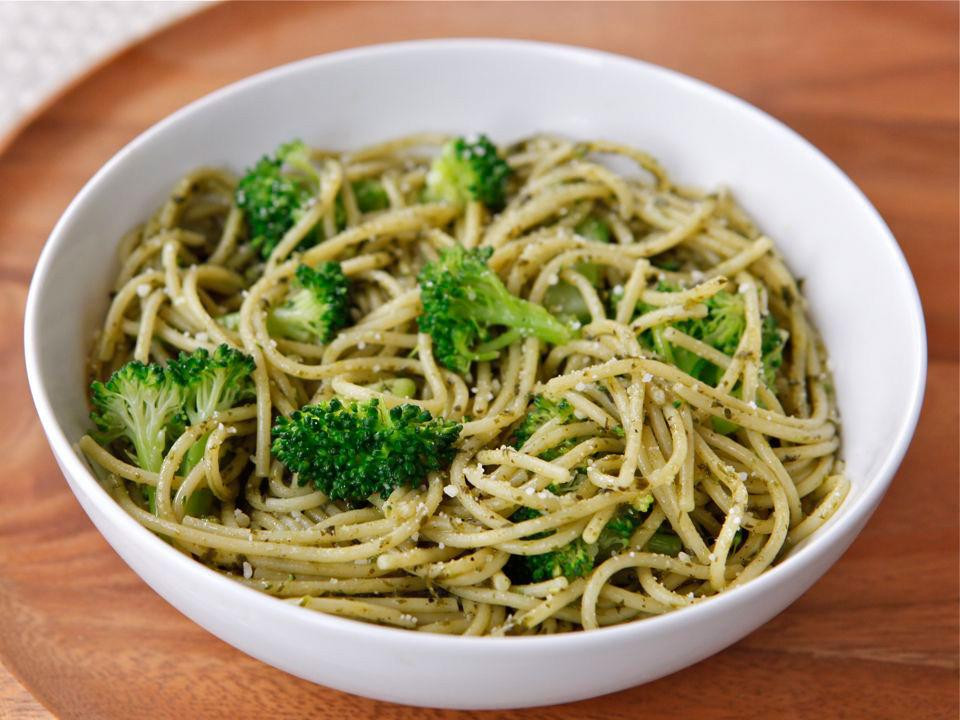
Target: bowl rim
{"type": "Point", "coordinates": [84, 481]}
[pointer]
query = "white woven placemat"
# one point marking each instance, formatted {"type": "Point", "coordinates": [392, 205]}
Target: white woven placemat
{"type": "Point", "coordinates": [44, 44]}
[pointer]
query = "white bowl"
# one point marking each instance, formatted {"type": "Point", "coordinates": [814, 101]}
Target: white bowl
{"type": "Point", "coordinates": [859, 286]}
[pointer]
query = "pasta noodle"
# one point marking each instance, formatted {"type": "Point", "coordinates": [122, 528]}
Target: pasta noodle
{"type": "Point", "coordinates": [726, 475]}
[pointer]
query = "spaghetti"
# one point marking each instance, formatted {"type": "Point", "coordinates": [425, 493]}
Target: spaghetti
{"type": "Point", "coordinates": [714, 460]}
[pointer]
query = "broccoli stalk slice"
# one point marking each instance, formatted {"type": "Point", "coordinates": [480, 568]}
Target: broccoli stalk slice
{"type": "Point", "coordinates": [317, 306]}
{"type": "Point", "coordinates": [541, 411]}
{"type": "Point", "coordinates": [231, 321]}
{"type": "Point", "coordinates": [463, 300]}
{"type": "Point", "coordinates": [401, 387]}
{"type": "Point", "coordinates": [469, 170]}
{"type": "Point", "coordinates": [352, 451]}
{"type": "Point", "coordinates": [566, 301]}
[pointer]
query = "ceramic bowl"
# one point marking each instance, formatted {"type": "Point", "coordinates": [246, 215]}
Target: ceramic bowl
{"type": "Point", "coordinates": [861, 295]}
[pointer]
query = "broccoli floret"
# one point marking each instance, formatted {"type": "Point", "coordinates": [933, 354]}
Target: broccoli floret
{"type": "Point", "coordinates": [275, 193]}
{"type": "Point", "coordinates": [724, 323]}
{"type": "Point", "coordinates": [317, 306]}
{"type": "Point", "coordinates": [210, 383]}
{"type": "Point", "coordinates": [721, 328]}
{"type": "Point", "coordinates": [573, 560]}
{"type": "Point", "coordinates": [542, 410]}
{"type": "Point", "coordinates": [463, 300]}
{"type": "Point", "coordinates": [149, 405]}
{"type": "Point", "coordinates": [578, 557]}
{"type": "Point", "coordinates": [353, 451]}
{"type": "Point", "coordinates": [772, 340]}
{"type": "Point", "coordinates": [469, 170]}
{"type": "Point", "coordinates": [370, 195]}
{"type": "Point", "coordinates": [141, 403]}
{"type": "Point", "coordinates": [526, 513]}
{"type": "Point", "coordinates": [615, 535]}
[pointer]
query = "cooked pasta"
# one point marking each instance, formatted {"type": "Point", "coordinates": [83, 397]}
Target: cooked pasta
{"type": "Point", "coordinates": [672, 438]}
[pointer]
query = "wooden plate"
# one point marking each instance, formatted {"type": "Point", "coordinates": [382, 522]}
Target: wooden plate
{"type": "Point", "coordinates": [875, 86]}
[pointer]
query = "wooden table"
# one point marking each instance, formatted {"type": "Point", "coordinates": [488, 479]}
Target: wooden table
{"type": "Point", "coordinates": [874, 86]}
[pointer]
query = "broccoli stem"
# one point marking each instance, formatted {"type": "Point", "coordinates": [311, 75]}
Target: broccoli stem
{"type": "Point", "coordinates": [194, 455]}
{"type": "Point", "coordinates": [526, 317]}
{"type": "Point", "coordinates": [200, 503]}
{"type": "Point", "coordinates": [489, 350]}
{"type": "Point", "coordinates": [661, 345]}
{"type": "Point", "coordinates": [593, 228]}
{"type": "Point", "coordinates": [401, 387]}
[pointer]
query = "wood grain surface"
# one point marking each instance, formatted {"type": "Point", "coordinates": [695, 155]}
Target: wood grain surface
{"type": "Point", "coordinates": [873, 85]}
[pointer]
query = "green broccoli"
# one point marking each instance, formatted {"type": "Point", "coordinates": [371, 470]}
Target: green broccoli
{"type": "Point", "coordinates": [566, 300]}
{"type": "Point", "coordinates": [463, 299]}
{"type": "Point", "coordinates": [615, 536]}
{"type": "Point", "coordinates": [664, 543]}
{"type": "Point", "coordinates": [578, 557]}
{"type": "Point", "coordinates": [275, 193]}
{"type": "Point", "coordinates": [721, 328]}
{"type": "Point", "coordinates": [666, 262]}
{"type": "Point", "coordinates": [370, 195]}
{"type": "Point", "coordinates": [542, 410]}
{"type": "Point", "coordinates": [353, 451]}
{"type": "Point", "coordinates": [401, 387]}
{"type": "Point", "coordinates": [772, 341]}
{"type": "Point", "coordinates": [469, 170]}
{"type": "Point", "coordinates": [210, 383]}
{"type": "Point", "coordinates": [317, 306]}
{"type": "Point", "coordinates": [593, 228]}
{"type": "Point", "coordinates": [141, 403]}
{"type": "Point", "coordinates": [573, 560]}
{"type": "Point", "coordinates": [149, 405]}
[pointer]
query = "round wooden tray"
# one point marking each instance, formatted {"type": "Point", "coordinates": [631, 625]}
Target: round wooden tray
{"type": "Point", "coordinates": [877, 637]}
